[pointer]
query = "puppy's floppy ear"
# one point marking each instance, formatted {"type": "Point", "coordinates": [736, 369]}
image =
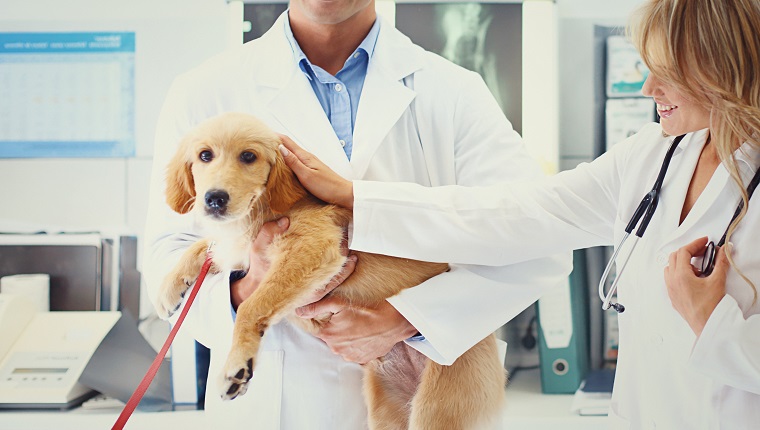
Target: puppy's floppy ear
{"type": "Point", "coordinates": [283, 187]}
{"type": "Point", "coordinates": [180, 188]}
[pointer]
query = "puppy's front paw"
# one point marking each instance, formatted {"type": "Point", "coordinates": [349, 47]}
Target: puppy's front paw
{"type": "Point", "coordinates": [237, 373]}
{"type": "Point", "coordinates": [172, 292]}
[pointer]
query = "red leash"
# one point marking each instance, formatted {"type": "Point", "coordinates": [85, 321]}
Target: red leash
{"type": "Point", "coordinates": [148, 378]}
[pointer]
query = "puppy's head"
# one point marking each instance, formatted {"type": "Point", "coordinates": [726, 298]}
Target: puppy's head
{"type": "Point", "coordinates": [226, 165]}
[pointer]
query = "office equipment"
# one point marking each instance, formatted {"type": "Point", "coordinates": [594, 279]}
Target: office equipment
{"type": "Point", "coordinates": [43, 366]}
{"type": "Point", "coordinates": [73, 262]}
{"type": "Point", "coordinates": [57, 360]}
{"type": "Point", "coordinates": [120, 362]}
{"type": "Point", "coordinates": [36, 286]}
{"type": "Point", "coordinates": [563, 332]}
{"type": "Point", "coordinates": [88, 272]}
{"type": "Point", "coordinates": [15, 313]}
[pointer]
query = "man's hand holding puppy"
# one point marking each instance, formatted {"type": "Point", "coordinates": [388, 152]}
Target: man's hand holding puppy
{"type": "Point", "coordinates": [356, 334]}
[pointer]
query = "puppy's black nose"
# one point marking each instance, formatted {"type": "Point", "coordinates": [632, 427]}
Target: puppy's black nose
{"type": "Point", "coordinates": [216, 200]}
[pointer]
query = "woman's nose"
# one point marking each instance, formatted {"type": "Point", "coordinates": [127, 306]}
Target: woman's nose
{"type": "Point", "coordinates": [648, 89]}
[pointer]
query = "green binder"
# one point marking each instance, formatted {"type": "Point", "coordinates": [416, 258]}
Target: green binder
{"type": "Point", "coordinates": [563, 335]}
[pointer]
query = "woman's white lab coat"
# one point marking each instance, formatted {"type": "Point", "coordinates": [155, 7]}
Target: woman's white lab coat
{"type": "Point", "coordinates": [421, 119]}
{"type": "Point", "coordinates": [666, 377]}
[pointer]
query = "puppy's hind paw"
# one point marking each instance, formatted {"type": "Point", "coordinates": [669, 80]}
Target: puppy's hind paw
{"type": "Point", "coordinates": [235, 383]}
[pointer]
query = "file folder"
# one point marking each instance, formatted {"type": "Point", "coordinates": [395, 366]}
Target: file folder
{"type": "Point", "coordinates": [563, 335]}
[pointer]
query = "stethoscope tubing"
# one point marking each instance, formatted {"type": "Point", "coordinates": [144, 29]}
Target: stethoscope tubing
{"type": "Point", "coordinates": [606, 299]}
{"type": "Point", "coordinates": [644, 213]}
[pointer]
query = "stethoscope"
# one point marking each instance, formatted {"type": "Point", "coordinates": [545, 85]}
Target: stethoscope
{"type": "Point", "coordinates": [643, 214]}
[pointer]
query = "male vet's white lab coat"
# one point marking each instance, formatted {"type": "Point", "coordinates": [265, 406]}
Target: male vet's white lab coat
{"type": "Point", "coordinates": [666, 377]}
{"type": "Point", "coordinates": [422, 120]}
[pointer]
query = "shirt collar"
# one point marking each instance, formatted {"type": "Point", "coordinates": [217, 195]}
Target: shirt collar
{"type": "Point", "coordinates": [747, 155]}
{"type": "Point", "coordinates": [367, 46]}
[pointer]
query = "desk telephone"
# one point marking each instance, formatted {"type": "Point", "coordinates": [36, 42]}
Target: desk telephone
{"type": "Point", "coordinates": [43, 354]}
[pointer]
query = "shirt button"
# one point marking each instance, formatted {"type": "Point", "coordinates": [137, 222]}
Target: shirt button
{"type": "Point", "coordinates": [342, 143]}
{"type": "Point", "coordinates": [338, 87]}
{"type": "Point", "coordinates": [356, 55]}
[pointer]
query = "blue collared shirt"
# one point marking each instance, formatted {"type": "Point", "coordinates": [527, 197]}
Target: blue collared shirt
{"type": "Point", "coordinates": [339, 95]}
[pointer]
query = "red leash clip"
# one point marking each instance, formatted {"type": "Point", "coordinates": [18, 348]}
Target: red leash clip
{"type": "Point", "coordinates": [134, 400]}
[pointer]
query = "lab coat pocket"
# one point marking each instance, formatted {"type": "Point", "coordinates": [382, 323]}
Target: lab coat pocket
{"type": "Point", "coordinates": [616, 422]}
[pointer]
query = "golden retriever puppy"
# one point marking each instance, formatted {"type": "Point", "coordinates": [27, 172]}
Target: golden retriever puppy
{"type": "Point", "coordinates": [229, 172]}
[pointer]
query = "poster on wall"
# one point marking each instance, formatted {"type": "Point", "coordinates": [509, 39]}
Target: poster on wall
{"type": "Point", "coordinates": [482, 37]}
{"type": "Point", "coordinates": [626, 72]}
{"type": "Point", "coordinates": [67, 94]}
{"type": "Point", "coordinates": [625, 117]}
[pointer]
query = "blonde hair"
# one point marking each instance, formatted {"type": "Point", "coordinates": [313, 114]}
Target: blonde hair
{"type": "Point", "coordinates": [709, 50]}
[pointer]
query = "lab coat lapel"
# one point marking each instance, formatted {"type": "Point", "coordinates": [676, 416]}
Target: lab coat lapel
{"type": "Point", "coordinates": [688, 161]}
{"type": "Point", "coordinates": [722, 184]}
{"type": "Point", "coordinates": [707, 199]}
{"type": "Point", "coordinates": [384, 96]}
{"type": "Point", "coordinates": [297, 109]}
{"type": "Point", "coordinates": [295, 106]}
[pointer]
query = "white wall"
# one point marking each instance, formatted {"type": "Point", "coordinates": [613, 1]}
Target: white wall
{"type": "Point", "coordinates": [107, 194]}
{"type": "Point", "coordinates": [605, 9]}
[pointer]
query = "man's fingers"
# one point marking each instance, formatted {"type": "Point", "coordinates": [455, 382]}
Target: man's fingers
{"type": "Point", "coordinates": [268, 232]}
{"type": "Point", "coordinates": [309, 311]}
{"type": "Point", "coordinates": [329, 305]}
{"type": "Point", "coordinates": [344, 244]}
{"type": "Point", "coordinates": [345, 272]}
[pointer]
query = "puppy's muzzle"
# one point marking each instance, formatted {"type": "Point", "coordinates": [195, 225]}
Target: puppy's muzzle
{"type": "Point", "coordinates": [216, 202]}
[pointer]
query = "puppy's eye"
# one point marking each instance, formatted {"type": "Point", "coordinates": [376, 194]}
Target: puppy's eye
{"type": "Point", "coordinates": [247, 157]}
{"type": "Point", "coordinates": [206, 156]}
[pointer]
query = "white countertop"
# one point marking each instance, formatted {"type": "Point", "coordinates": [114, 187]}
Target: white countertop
{"type": "Point", "coordinates": [526, 409]}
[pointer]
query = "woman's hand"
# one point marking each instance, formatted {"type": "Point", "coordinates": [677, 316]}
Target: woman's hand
{"type": "Point", "coordinates": [359, 334]}
{"type": "Point", "coordinates": [693, 296]}
{"type": "Point", "coordinates": [319, 179]}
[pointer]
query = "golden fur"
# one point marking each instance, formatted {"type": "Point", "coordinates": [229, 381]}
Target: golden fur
{"type": "Point", "coordinates": [402, 390]}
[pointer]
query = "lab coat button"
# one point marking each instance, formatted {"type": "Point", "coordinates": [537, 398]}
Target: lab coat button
{"type": "Point", "coordinates": [653, 424]}
{"type": "Point", "coordinates": [657, 339]}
